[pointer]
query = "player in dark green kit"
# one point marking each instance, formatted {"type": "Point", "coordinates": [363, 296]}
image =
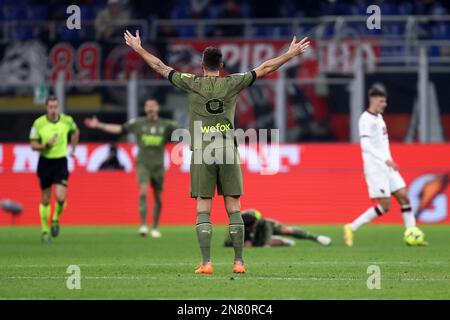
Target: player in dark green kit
{"type": "Point", "coordinates": [261, 231]}
{"type": "Point", "coordinates": [212, 106]}
{"type": "Point", "coordinates": [153, 133]}
{"type": "Point", "coordinates": [49, 136]}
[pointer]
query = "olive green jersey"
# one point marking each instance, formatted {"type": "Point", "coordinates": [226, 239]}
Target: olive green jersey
{"type": "Point", "coordinates": [152, 136]}
{"type": "Point", "coordinates": [259, 230]}
{"type": "Point", "coordinates": [212, 104]}
{"type": "Point", "coordinates": [43, 131]}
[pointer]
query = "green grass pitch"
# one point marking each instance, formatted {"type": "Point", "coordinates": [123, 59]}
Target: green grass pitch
{"type": "Point", "coordinates": [116, 263]}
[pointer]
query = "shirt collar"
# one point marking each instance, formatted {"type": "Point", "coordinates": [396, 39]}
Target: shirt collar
{"type": "Point", "coordinates": [374, 114]}
{"type": "Point", "coordinates": [59, 118]}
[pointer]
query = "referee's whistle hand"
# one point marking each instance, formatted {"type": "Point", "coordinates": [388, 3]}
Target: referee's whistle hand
{"type": "Point", "coordinates": [52, 140]}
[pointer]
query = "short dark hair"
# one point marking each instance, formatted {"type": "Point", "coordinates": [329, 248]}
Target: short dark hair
{"type": "Point", "coordinates": [377, 91]}
{"type": "Point", "coordinates": [50, 98]}
{"type": "Point", "coordinates": [212, 58]}
{"type": "Point", "coordinates": [249, 220]}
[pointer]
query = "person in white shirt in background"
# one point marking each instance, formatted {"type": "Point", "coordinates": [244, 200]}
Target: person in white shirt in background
{"type": "Point", "coordinates": [380, 171]}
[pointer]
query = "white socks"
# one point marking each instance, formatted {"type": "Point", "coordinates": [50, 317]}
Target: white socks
{"type": "Point", "coordinates": [408, 216]}
{"type": "Point", "coordinates": [366, 217]}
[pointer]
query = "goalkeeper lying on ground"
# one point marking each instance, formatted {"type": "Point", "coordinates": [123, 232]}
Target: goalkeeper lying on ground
{"type": "Point", "coordinates": [264, 232]}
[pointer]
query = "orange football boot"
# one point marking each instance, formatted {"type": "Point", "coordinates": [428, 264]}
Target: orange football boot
{"type": "Point", "coordinates": [204, 268]}
{"type": "Point", "coordinates": [238, 267]}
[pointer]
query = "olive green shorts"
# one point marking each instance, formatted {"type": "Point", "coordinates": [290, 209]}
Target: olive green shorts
{"type": "Point", "coordinates": [227, 178]}
{"type": "Point", "coordinates": [154, 175]}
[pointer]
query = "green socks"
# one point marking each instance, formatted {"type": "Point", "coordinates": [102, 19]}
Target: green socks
{"type": "Point", "coordinates": [44, 212]}
{"type": "Point", "coordinates": [156, 214]}
{"type": "Point", "coordinates": [143, 209]}
{"type": "Point", "coordinates": [204, 235]}
{"type": "Point", "coordinates": [236, 230]}
{"type": "Point", "coordinates": [303, 234]}
{"type": "Point", "coordinates": [59, 207]}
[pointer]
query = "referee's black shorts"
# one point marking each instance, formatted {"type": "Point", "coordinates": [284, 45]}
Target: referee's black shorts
{"type": "Point", "coordinates": [52, 171]}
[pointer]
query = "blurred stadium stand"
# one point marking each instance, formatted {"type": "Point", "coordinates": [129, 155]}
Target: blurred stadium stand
{"type": "Point", "coordinates": [25, 19]}
{"type": "Point", "coordinates": [314, 99]}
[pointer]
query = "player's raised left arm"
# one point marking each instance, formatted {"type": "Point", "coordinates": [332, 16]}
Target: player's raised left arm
{"type": "Point", "coordinates": [295, 49]}
{"type": "Point", "coordinates": [154, 62]}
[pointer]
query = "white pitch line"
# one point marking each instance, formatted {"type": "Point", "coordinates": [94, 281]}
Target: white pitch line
{"type": "Point", "coordinates": [168, 264]}
{"type": "Point", "coordinates": [239, 278]}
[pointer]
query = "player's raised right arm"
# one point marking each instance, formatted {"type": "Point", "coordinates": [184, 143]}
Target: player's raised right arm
{"type": "Point", "coordinates": [94, 123]}
{"type": "Point", "coordinates": [295, 49]}
{"type": "Point", "coordinates": [155, 63]}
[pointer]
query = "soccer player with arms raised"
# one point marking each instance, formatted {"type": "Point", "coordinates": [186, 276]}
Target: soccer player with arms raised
{"type": "Point", "coordinates": [152, 134]}
{"type": "Point", "coordinates": [212, 105]}
{"type": "Point", "coordinates": [49, 136]}
{"type": "Point", "coordinates": [381, 172]}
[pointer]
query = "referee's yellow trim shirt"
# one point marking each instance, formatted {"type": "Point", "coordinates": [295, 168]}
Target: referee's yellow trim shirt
{"type": "Point", "coordinates": [43, 130]}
